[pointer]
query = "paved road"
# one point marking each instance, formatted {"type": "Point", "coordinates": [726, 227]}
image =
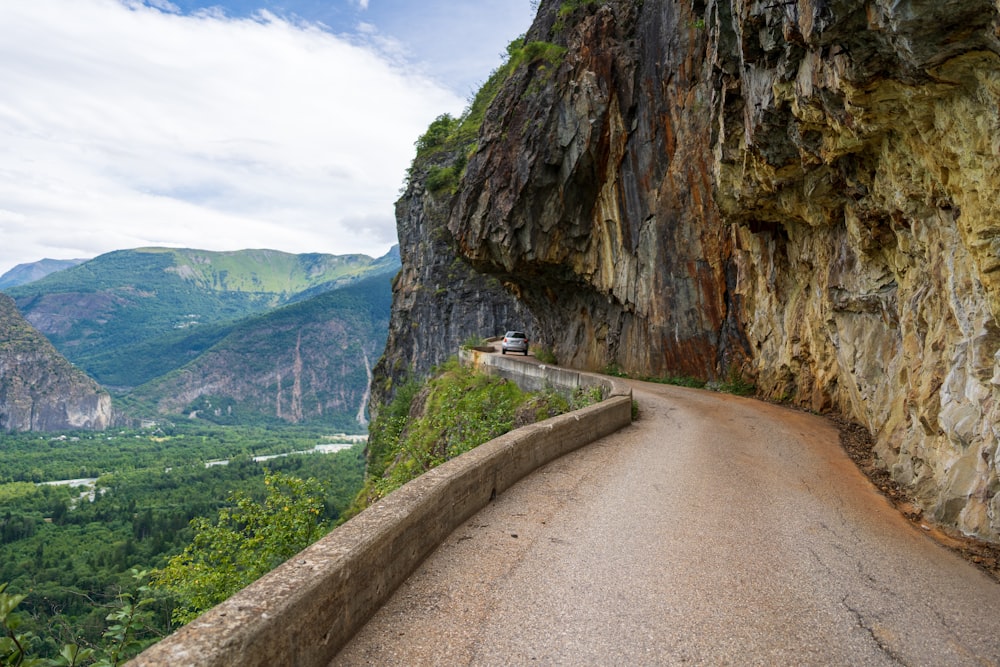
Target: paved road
{"type": "Point", "coordinates": [715, 530]}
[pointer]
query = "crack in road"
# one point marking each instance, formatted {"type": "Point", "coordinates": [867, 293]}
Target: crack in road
{"type": "Point", "coordinates": [869, 629]}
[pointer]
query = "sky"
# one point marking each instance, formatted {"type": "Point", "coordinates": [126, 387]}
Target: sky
{"type": "Point", "coordinates": [283, 124]}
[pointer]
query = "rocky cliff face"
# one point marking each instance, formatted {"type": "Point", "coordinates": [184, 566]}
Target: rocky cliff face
{"type": "Point", "coordinates": [861, 197]}
{"type": "Point", "coordinates": [39, 389]}
{"type": "Point", "coordinates": [804, 192]}
{"type": "Point", "coordinates": [439, 301]}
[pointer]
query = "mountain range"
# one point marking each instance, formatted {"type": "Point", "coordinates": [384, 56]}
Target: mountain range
{"type": "Point", "coordinates": [230, 336]}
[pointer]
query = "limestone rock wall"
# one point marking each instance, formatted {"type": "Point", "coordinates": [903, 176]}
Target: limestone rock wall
{"type": "Point", "coordinates": [802, 191]}
{"type": "Point", "coordinates": [592, 191]}
{"type": "Point", "coordinates": [867, 245]}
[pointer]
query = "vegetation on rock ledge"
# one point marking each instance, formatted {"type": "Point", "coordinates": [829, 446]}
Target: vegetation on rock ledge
{"type": "Point", "coordinates": [456, 410]}
{"type": "Point", "coordinates": [449, 142]}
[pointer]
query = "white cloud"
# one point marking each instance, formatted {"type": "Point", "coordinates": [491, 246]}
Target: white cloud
{"type": "Point", "coordinates": [122, 125]}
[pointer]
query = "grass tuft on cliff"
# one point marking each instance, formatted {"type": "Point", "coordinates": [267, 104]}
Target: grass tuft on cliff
{"type": "Point", "coordinates": [569, 7]}
{"type": "Point", "coordinates": [444, 149]}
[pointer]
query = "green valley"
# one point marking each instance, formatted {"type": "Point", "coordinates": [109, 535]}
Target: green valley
{"type": "Point", "coordinates": [138, 500]}
{"type": "Point", "coordinates": [250, 371]}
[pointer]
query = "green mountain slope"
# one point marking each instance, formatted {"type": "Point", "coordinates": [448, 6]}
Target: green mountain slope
{"type": "Point", "coordinates": [309, 361]}
{"type": "Point", "coordinates": [130, 316]}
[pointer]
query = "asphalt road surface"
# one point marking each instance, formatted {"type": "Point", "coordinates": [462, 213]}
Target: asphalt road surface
{"type": "Point", "coordinates": [715, 530]}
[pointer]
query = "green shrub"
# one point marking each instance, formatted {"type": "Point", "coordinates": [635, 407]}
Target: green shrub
{"type": "Point", "coordinates": [127, 635]}
{"type": "Point", "coordinates": [456, 410]}
{"type": "Point", "coordinates": [545, 355]}
{"type": "Point", "coordinates": [570, 6]}
{"type": "Point", "coordinates": [247, 540]}
{"type": "Point", "coordinates": [736, 384]}
{"type": "Point", "coordinates": [442, 179]}
{"type": "Point", "coordinates": [473, 342]}
{"type": "Point", "coordinates": [437, 133]}
{"type": "Point", "coordinates": [584, 397]}
{"type": "Point", "coordinates": [567, 8]}
{"type": "Point", "coordinates": [614, 370]}
{"type": "Point", "coordinates": [678, 381]}
{"type": "Point", "coordinates": [538, 52]}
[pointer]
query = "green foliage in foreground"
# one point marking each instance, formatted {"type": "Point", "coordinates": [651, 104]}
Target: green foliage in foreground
{"type": "Point", "coordinates": [127, 633]}
{"type": "Point", "coordinates": [249, 540]}
{"type": "Point", "coordinates": [69, 552]}
{"type": "Point", "coordinates": [456, 410]}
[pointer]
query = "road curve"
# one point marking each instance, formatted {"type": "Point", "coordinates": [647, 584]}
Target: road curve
{"type": "Point", "coordinates": [714, 530]}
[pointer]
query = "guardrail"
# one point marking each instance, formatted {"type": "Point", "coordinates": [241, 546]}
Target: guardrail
{"type": "Point", "coordinates": [307, 609]}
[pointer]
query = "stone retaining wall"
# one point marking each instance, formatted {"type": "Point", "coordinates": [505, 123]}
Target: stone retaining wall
{"type": "Point", "coordinates": [304, 611]}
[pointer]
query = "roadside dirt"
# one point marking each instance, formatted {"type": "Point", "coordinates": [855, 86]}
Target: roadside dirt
{"type": "Point", "coordinates": [858, 443]}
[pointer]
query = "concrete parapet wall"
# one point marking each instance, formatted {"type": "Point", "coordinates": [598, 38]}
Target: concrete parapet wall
{"type": "Point", "coordinates": [535, 377]}
{"type": "Point", "coordinates": [304, 611]}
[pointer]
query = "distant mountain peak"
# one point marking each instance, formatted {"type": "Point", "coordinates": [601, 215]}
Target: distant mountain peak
{"type": "Point", "coordinates": [23, 274]}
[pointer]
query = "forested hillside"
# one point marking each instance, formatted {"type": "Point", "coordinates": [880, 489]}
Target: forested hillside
{"type": "Point", "coordinates": [305, 362]}
{"type": "Point", "coordinates": [245, 337]}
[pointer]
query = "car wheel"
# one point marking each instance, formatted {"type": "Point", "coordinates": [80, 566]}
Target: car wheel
{"type": "Point", "coordinates": [503, 350]}
{"type": "Point", "coordinates": [525, 351]}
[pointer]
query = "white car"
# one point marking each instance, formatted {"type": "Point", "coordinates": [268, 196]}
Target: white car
{"type": "Point", "coordinates": [515, 341]}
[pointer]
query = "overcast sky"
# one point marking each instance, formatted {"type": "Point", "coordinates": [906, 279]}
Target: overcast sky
{"type": "Point", "coordinates": [284, 124]}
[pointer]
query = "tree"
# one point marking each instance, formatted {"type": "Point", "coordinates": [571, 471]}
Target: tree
{"type": "Point", "coordinates": [248, 540]}
{"type": "Point", "coordinates": [131, 622]}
